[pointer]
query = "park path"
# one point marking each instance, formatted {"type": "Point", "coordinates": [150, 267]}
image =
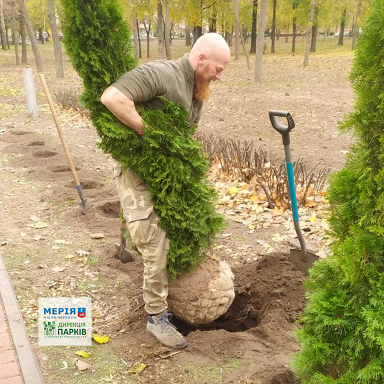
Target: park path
{"type": "Point", "coordinates": [18, 363]}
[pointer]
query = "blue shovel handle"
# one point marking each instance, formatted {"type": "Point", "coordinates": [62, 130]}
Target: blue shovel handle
{"type": "Point", "coordinates": [284, 131]}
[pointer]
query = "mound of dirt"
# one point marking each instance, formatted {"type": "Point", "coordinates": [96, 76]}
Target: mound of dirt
{"type": "Point", "coordinates": [259, 326]}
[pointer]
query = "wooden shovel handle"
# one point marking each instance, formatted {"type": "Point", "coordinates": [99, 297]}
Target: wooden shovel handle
{"type": "Point", "coordinates": [61, 134]}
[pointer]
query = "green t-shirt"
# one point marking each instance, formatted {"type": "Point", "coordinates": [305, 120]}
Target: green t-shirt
{"type": "Point", "coordinates": [174, 80]}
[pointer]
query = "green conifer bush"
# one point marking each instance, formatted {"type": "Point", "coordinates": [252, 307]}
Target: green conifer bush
{"type": "Point", "coordinates": [342, 337]}
{"type": "Point", "coordinates": [167, 157]}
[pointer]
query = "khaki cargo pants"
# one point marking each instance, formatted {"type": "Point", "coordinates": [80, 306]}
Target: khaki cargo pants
{"type": "Point", "coordinates": [149, 239]}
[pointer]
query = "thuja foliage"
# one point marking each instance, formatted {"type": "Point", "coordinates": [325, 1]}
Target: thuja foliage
{"type": "Point", "coordinates": [166, 156]}
{"type": "Point", "coordinates": [342, 336]}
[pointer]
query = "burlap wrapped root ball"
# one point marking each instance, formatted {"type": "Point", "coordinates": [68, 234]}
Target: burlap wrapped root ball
{"type": "Point", "coordinates": [204, 295]}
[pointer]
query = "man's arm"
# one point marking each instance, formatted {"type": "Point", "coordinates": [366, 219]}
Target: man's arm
{"type": "Point", "coordinates": [123, 108]}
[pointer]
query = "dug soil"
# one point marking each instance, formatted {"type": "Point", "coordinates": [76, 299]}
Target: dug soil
{"type": "Point", "coordinates": [257, 332]}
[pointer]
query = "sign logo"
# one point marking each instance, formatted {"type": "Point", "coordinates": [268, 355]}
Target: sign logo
{"type": "Point", "coordinates": [65, 321]}
{"type": "Point", "coordinates": [49, 328]}
{"type": "Point", "coordinates": [81, 312]}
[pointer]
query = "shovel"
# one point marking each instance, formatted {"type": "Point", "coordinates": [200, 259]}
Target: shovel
{"type": "Point", "coordinates": [84, 205]}
{"type": "Point", "coordinates": [300, 258]}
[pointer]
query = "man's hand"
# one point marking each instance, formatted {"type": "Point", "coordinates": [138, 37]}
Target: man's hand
{"type": "Point", "coordinates": [123, 108]}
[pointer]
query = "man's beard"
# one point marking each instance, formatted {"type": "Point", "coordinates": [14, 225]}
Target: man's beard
{"type": "Point", "coordinates": [202, 90]}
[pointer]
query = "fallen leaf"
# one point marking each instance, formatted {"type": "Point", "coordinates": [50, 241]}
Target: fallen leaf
{"type": "Point", "coordinates": [40, 225]}
{"type": "Point", "coordinates": [69, 256]}
{"type": "Point", "coordinates": [82, 353]}
{"type": "Point", "coordinates": [100, 339]}
{"type": "Point", "coordinates": [233, 190]}
{"type": "Point", "coordinates": [276, 237]}
{"type": "Point", "coordinates": [312, 219]}
{"type": "Point", "coordinates": [82, 366]}
{"type": "Point", "coordinates": [58, 269]}
{"type": "Point", "coordinates": [278, 211]}
{"type": "Point", "coordinates": [97, 236]}
{"type": "Point", "coordinates": [137, 368]}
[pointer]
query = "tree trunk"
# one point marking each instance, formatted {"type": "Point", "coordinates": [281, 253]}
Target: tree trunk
{"type": "Point", "coordinates": [138, 37]}
{"type": "Point", "coordinates": [2, 27]}
{"type": "Point", "coordinates": [294, 26]}
{"type": "Point", "coordinates": [313, 38]}
{"type": "Point", "coordinates": [134, 32]}
{"type": "Point", "coordinates": [187, 36]}
{"type": "Point", "coordinates": [213, 20]}
{"type": "Point", "coordinates": [56, 39]}
{"type": "Point", "coordinates": [147, 31]}
{"type": "Point", "coordinates": [32, 36]}
{"type": "Point", "coordinates": [41, 37]}
{"type": "Point", "coordinates": [167, 32]}
{"type": "Point", "coordinates": [273, 32]}
{"type": "Point", "coordinates": [244, 49]}
{"type": "Point", "coordinates": [356, 26]}
{"type": "Point", "coordinates": [237, 29]}
{"type": "Point", "coordinates": [197, 32]}
{"type": "Point", "coordinates": [15, 38]}
{"type": "Point", "coordinates": [160, 32]}
{"type": "Point", "coordinates": [6, 35]}
{"type": "Point", "coordinates": [260, 41]}
{"type": "Point", "coordinates": [24, 59]}
{"type": "Point", "coordinates": [342, 27]}
{"type": "Point", "coordinates": [309, 32]}
{"type": "Point", "coordinates": [254, 27]}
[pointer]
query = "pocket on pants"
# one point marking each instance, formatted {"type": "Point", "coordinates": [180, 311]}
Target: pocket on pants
{"type": "Point", "coordinates": [143, 231]}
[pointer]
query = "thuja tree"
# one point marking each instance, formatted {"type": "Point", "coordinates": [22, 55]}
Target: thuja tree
{"type": "Point", "coordinates": [342, 336]}
{"type": "Point", "coordinates": [166, 156]}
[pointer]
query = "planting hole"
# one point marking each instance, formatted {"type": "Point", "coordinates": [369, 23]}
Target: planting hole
{"type": "Point", "coordinates": [19, 133]}
{"type": "Point", "coordinates": [61, 168]}
{"type": "Point", "coordinates": [44, 154]}
{"type": "Point", "coordinates": [36, 143]}
{"type": "Point", "coordinates": [110, 209]}
{"type": "Point", "coordinates": [239, 318]}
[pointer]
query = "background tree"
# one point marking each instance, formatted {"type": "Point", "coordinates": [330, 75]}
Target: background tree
{"type": "Point", "coordinates": [309, 31]}
{"type": "Point", "coordinates": [24, 55]}
{"type": "Point", "coordinates": [2, 27]}
{"type": "Point", "coordinates": [254, 26]}
{"type": "Point", "coordinates": [262, 20]}
{"type": "Point", "coordinates": [342, 335]}
{"type": "Point", "coordinates": [167, 31]}
{"type": "Point", "coordinates": [160, 31]}
{"type": "Point", "coordinates": [32, 36]}
{"type": "Point", "coordinates": [56, 39]}
{"type": "Point", "coordinates": [236, 4]}
{"type": "Point", "coordinates": [38, 14]}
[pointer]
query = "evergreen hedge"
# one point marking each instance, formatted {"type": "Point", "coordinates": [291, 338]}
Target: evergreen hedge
{"type": "Point", "coordinates": [166, 156]}
{"type": "Point", "coordinates": [342, 337]}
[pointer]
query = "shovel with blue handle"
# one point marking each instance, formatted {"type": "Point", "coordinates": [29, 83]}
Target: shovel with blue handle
{"type": "Point", "coordinates": [300, 258]}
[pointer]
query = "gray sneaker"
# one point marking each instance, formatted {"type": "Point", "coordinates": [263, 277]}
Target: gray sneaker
{"type": "Point", "coordinates": [165, 332]}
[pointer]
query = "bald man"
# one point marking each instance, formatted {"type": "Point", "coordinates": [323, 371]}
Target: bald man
{"type": "Point", "coordinates": [185, 81]}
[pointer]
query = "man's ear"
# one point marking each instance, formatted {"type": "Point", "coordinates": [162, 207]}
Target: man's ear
{"type": "Point", "coordinates": [201, 59]}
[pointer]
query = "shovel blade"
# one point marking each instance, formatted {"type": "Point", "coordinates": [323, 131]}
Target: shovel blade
{"type": "Point", "coordinates": [84, 205]}
{"type": "Point", "coordinates": [302, 262]}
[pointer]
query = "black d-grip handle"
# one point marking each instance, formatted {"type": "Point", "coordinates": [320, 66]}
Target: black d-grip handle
{"type": "Point", "coordinates": [282, 129]}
